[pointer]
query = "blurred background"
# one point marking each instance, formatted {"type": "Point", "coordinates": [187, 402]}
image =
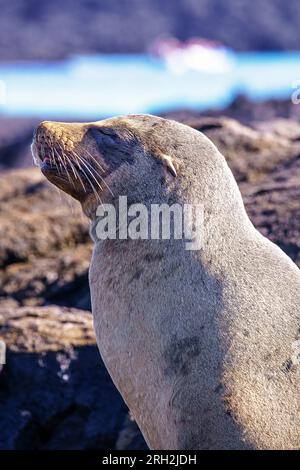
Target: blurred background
{"type": "Point", "coordinates": [229, 68]}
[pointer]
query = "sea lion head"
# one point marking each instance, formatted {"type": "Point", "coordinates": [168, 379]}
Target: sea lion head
{"type": "Point", "coordinates": [97, 161]}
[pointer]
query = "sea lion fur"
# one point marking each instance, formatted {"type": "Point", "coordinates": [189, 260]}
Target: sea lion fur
{"type": "Point", "coordinates": [199, 343]}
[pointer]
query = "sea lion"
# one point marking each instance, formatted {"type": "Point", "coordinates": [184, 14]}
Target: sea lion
{"type": "Point", "coordinates": [202, 344]}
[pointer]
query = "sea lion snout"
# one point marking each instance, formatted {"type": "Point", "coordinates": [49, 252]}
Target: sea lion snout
{"type": "Point", "coordinates": [49, 140]}
{"type": "Point", "coordinates": [64, 153]}
{"type": "Point", "coordinates": [56, 135]}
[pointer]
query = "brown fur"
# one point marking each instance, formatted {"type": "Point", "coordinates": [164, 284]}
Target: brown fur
{"type": "Point", "coordinates": [199, 343]}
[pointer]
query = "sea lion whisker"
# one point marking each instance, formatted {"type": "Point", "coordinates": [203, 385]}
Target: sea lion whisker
{"type": "Point", "coordinates": [101, 168]}
{"type": "Point", "coordinates": [93, 187]}
{"type": "Point", "coordinates": [76, 173]}
{"type": "Point", "coordinates": [86, 166]}
{"type": "Point", "coordinates": [59, 158]}
{"type": "Point", "coordinates": [67, 160]}
{"type": "Point", "coordinates": [62, 155]}
{"type": "Point", "coordinates": [63, 163]}
{"type": "Point", "coordinates": [86, 176]}
{"type": "Point", "coordinates": [52, 159]}
{"type": "Point", "coordinates": [93, 158]}
{"type": "Point", "coordinates": [94, 171]}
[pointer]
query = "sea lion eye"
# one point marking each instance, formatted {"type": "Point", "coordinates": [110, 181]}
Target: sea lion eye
{"type": "Point", "coordinates": [105, 136]}
{"type": "Point", "coordinates": [115, 149]}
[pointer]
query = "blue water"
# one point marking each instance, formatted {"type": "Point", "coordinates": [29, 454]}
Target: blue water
{"type": "Point", "coordinates": [105, 85]}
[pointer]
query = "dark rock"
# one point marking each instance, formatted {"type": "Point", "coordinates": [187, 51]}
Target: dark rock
{"type": "Point", "coordinates": [34, 220]}
{"type": "Point", "coordinates": [252, 153]}
{"type": "Point", "coordinates": [130, 437]}
{"type": "Point", "coordinates": [245, 111]}
{"type": "Point", "coordinates": [55, 392]}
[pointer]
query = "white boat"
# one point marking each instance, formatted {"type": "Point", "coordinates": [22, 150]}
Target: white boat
{"type": "Point", "coordinates": [196, 54]}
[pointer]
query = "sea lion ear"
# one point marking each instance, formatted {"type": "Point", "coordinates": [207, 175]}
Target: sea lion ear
{"type": "Point", "coordinates": [166, 160]}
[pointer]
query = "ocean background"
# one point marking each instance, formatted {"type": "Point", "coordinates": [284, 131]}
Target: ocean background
{"type": "Point", "coordinates": [102, 85]}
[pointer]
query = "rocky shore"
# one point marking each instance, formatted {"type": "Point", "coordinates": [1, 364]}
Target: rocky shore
{"type": "Point", "coordinates": [54, 390]}
{"type": "Point", "coordinates": [55, 30]}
